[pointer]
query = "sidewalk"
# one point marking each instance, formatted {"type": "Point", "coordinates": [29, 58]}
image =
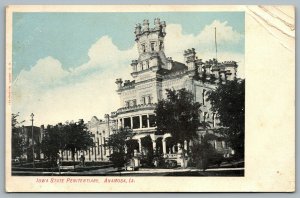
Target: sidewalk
{"type": "Point", "coordinates": [145, 171]}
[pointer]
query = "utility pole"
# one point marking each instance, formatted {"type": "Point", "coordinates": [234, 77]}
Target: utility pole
{"type": "Point", "coordinates": [32, 115]}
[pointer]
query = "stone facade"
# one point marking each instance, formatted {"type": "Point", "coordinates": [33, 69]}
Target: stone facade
{"type": "Point", "coordinates": [153, 73]}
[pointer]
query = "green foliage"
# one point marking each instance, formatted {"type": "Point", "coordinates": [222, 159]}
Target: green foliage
{"type": "Point", "coordinates": [117, 142]}
{"type": "Point", "coordinates": [72, 136]}
{"type": "Point", "coordinates": [203, 154]}
{"type": "Point", "coordinates": [178, 115]}
{"type": "Point", "coordinates": [51, 143]}
{"type": "Point", "coordinates": [147, 158]}
{"type": "Point", "coordinates": [228, 100]}
{"type": "Point", "coordinates": [18, 143]}
{"type": "Point", "coordinates": [76, 137]}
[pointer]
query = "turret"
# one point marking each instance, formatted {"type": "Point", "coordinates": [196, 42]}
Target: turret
{"type": "Point", "coordinates": [150, 44]}
{"type": "Point", "coordinates": [190, 57]}
{"type": "Point", "coordinates": [170, 63]}
{"type": "Point", "coordinates": [157, 23]}
{"type": "Point", "coordinates": [138, 29]}
{"type": "Point", "coordinates": [119, 82]}
{"type": "Point", "coordinates": [231, 69]}
{"type": "Point", "coordinates": [134, 64]}
{"type": "Point", "coordinates": [146, 25]}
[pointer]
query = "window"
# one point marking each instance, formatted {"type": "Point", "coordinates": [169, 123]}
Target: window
{"type": "Point", "coordinates": [147, 64]}
{"type": "Point", "coordinates": [104, 147]}
{"type": "Point", "coordinates": [143, 48]}
{"type": "Point", "coordinates": [134, 102]}
{"type": "Point", "coordinates": [136, 122]}
{"type": "Point", "coordinates": [204, 116]}
{"type": "Point", "coordinates": [152, 120]}
{"type": "Point", "coordinates": [203, 96]}
{"type": "Point", "coordinates": [143, 100]}
{"type": "Point", "coordinates": [149, 99]}
{"type": "Point", "coordinates": [127, 104]}
{"type": "Point", "coordinates": [214, 119]}
{"type": "Point", "coordinates": [127, 122]}
{"type": "Point", "coordinates": [144, 121]}
{"type": "Point", "coordinates": [152, 46]}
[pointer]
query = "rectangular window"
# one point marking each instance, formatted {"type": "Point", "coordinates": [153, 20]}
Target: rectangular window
{"type": "Point", "coordinates": [152, 121]}
{"type": "Point", "coordinates": [134, 102]}
{"type": "Point", "coordinates": [149, 99]}
{"type": "Point", "coordinates": [152, 46]}
{"type": "Point", "coordinates": [203, 96]}
{"type": "Point", "coordinates": [104, 147]}
{"type": "Point", "coordinates": [143, 48]}
{"type": "Point", "coordinates": [214, 120]}
{"type": "Point", "coordinates": [127, 123]}
{"type": "Point", "coordinates": [144, 100]}
{"type": "Point", "coordinates": [204, 116]}
{"type": "Point", "coordinates": [136, 122]}
{"type": "Point", "coordinates": [144, 121]}
{"type": "Point", "coordinates": [127, 104]}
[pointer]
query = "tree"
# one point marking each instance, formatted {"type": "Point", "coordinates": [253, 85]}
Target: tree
{"type": "Point", "coordinates": [50, 145]}
{"type": "Point", "coordinates": [178, 115]}
{"type": "Point", "coordinates": [117, 142]}
{"type": "Point", "coordinates": [76, 137]}
{"type": "Point", "coordinates": [228, 101]}
{"type": "Point", "coordinates": [204, 154]}
{"type": "Point", "coordinates": [18, 142]}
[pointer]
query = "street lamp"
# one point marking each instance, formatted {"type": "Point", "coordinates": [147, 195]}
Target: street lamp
{"type": "Point", "coordinates": [32, 115]}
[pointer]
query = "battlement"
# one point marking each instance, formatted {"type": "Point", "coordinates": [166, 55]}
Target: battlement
{"type": "Point", "coordinates": [189, 52]}
{"type": "Point", "coordinates": [230, 63]}
{"type": "Point", "coordinates": [158, 26]}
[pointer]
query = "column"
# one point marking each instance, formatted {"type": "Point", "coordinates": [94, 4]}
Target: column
{"type": "Point", "coordinates": [154, 146]}
{"type": "Point", "coordinates": [140, 145]}
{"type": "Point", "coordinates": [122, 122]}
{"type": "Point", "coordinates": [148, 122]}
{"type": "Point", "coordinates": [141, 121]}
{"type": "Point", "coordinates": [131, 122]}
{"type": "Point", "coordinates": [223, 144]}
{"type": "Point", "coordinates": [185, 145]}
{"type": "Point", "coordinates": [164, 146]}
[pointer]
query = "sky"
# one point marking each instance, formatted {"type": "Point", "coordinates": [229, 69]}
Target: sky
{"type": "Point", "coordinates": [65, 64]}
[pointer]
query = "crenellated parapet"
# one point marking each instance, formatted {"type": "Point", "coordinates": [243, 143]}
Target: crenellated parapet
{"type": "Point", "coordinates": [159, 26]}
{"type": "Point", "coordinates": [126, 85]}
{"type": "Point", "coordinates": [210, 70]}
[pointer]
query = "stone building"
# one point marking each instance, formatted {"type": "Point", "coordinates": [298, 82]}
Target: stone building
{"type": "Point", "coordinates": [100, 131]}
{"type": "Point", "coordinates": [28, 133]}
{"type": "Point", "coordinates": [153, 72]}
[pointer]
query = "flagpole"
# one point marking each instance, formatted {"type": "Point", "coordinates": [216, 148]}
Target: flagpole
{"type": "Point", "coordinates": [216, 46]}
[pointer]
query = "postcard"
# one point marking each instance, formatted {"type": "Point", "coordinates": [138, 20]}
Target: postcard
{"type": "Point", "coordinates": [150, 98]}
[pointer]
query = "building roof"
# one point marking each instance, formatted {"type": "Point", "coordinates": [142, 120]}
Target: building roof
{"type": "Point", "coordinates": [176, 66]}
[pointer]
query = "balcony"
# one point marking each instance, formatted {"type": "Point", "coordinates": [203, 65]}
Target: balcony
{"type": "Point", "coordinates": [150, 106]}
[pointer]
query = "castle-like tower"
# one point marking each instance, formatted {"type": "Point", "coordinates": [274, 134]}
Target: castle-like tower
{"type": "Point", "coordinates": [150, 44]}
{"type": "Point", "coordinates": [153, 73]}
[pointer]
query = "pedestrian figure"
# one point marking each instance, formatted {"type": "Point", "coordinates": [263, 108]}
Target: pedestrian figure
{"type": "Point", "coordinates": [82, 159]}
{"type": "Point", "coordinates": [58, 161]}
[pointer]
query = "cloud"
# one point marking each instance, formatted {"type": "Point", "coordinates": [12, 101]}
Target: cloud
{"type": "Point", "coordinates": [55, 94]}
